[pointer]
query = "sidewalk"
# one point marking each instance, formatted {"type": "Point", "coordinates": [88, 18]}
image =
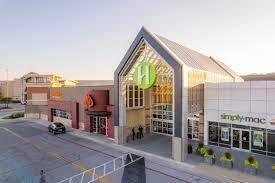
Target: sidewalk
{"type": "Point", "coordinates": [201, 169]}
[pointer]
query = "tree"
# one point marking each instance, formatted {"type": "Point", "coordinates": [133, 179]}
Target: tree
{"type": "Point", "coordinates": [6, 100]}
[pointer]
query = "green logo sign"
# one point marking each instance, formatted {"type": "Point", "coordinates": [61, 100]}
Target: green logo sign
{"type": "Point", "coordinates": [240, 118]}
{"type": "Point", "coordinates": [145, 75]}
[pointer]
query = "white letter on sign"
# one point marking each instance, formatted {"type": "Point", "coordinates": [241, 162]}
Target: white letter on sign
{"type": "Point", "coordinates": [145, 74]}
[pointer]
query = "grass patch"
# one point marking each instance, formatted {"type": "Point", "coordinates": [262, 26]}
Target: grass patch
{"type": "Point", "coordinates": [15, 115]}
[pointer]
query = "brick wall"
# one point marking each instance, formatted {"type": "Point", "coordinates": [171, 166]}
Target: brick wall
{"type": "Point", "coordinates": [72, 107]}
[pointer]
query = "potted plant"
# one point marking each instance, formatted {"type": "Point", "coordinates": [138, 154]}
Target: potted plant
{"type": "Point", "coordinates": [251, 165]}
{"type": "Point", "coordinates": [190, 149]}
{"type": "Point", "coordinates": [209, 156]}
{"type": "Point", "coordinates": [201, 149]}
{"type": "Point", "coordinates": [227, 160]}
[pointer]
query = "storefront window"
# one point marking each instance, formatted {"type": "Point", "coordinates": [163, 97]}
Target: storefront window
{"type": "Point", "coordinates": [62, 114]}
{"type": "Point", "coordinates": [213, 133]}
{"type": "Point", "coordinates": [162, 127]}
{"type": "Point", "coordinates": [258, 144]}
{"type": "Point", "coordinates": [271, 142]}
{"type": "Point", "coordinates": [225, 135]}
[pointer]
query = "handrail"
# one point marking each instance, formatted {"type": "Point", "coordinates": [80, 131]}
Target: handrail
{"type": "Point", "coordinates": [96, 177]}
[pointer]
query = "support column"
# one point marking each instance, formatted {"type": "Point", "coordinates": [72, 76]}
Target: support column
{"type": "Point", "coordinates": [120, 134]}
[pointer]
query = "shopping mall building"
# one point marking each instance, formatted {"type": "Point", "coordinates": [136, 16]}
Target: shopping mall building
{"type": "Point", "coordinates": [173, 91]}
{"type": "Point", "coordinates": [177, 95]}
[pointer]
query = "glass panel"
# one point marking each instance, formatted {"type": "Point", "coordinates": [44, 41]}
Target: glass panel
{"type": "Point", "coordinates": [236, 138]}
{"type": "Point", "coordinates": [258, 140]}
{"type": "Point", "coordinates": [155, 125]}
{"type": "Point", "coordinates": [271, 142]}
{"type": "Point", "coordinates": [213, 133]}
{"type": "Point", "coordinates": [225, 135]}
{"type": "Point", "coordinates": [245, 140]}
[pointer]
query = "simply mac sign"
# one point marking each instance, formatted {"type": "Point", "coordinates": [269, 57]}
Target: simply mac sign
{"type": "Point", "coordinates": [237, 118]}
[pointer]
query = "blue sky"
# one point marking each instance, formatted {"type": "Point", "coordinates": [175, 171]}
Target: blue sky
{"type": "Point", "coordinates": [86, 39]}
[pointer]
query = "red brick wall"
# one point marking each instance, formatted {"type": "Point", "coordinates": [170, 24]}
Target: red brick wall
{"type": "Point", "coordinates": [67, 106]}
{"type": "Point", "coordinates": [88, 125]}
{"type": "Point", "coordinates": [110, 108]}
{"type": "Point", "coordinates": [31, 90]}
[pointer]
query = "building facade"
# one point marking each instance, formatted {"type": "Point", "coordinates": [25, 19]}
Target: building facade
{"type": "Point", "coordinates": [159, 85]}
{"type": "Point", "coordinates": [241, 116]}
{"type": "Point", "coordinates": [11, 88]}
{"type": "Point", "coordinates": [37, 102]}
{"type": "Point", "coordinates": [33, 79]}
{"type": "Point", "coordinates": [86, 108]}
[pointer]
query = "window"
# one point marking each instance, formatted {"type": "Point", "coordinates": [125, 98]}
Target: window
{"type": "Point", "coordinates": [271, 142]}
{"type": "Point", "coordinates": [62, 114]}
{"type": "Point", "coordinates": [162, 127]}
{"type": "Point", "coordinates": [213, 133]}
{"type": "Point", "coordinates": [39, 79]}
{"type": "Point", "coordinates": [189, 129]}
{"type": "Point", "coordinates": [134, 96]}
{"type": "Point", "coordinates": [258, 144]}
{"type": "Point", "coordinates": [193, 129]}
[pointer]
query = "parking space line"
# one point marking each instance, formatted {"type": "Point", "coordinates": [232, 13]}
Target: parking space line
{"type": "Point", "coordinates": [55, 154]}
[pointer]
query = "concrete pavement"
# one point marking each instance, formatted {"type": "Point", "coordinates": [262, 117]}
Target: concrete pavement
{"type": "Point", "coordinates": [37, 149]}
{"type": "Point", "coordinates": [201, 170]}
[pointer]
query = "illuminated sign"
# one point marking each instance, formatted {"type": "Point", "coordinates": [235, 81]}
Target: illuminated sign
{"type": "Point", "coordinates": [89, 102]}
{"type": "Point", "coordinates": [240, 118]}
{"type": "Point", "coordinates": [57, 94]}
{"type": "Point", "coordinates": [145, 75]}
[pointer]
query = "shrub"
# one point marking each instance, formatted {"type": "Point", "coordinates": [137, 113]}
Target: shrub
{"type": "Point", "coordinates": [15, 115]}
{"type": "Point", "coordinates": [209, 153]}
{"type": "Point", "coordinates": [251, 162]}
{"type": "Point", "coordinates": [201, 149]}
{"type": "Point", "coordinates": [200, 145]}
{"type": "Point", "coordinates": [251, 159]}
{"type": "Point", "coordinates": [228, 155]}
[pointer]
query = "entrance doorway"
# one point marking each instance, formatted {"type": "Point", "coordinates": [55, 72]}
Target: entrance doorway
{"type": "Point", "coordinates": [240, 139]}
{"type": "Point", "coordinates": [100, 125]}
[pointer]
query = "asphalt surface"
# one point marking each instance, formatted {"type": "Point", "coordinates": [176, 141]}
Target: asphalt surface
{"type": "Point", "coordinates": [26, 148]}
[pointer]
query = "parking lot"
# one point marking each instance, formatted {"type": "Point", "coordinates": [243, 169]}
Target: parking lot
{"type": "Point", "coordinates": [26, 148]}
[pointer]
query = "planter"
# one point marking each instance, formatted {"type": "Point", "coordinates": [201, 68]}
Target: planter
{"type": "Point", "coordinates": [251, 167]}
{"type": "Point", "coordinates": [201, 151]}
{"type": "Point", "coordinates": [209, 160]}
{"type": "Point", "coordinates": [227, 161]}
{"type": "Point", "coordinates": [251, 170]}
{"type": "Point", "coordinates": [227, 164]}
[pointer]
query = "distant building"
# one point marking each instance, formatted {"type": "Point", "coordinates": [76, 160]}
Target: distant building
{"type": "Point", "coordinates": [11, 88]}
{"type": "Point", "coordinates": [33, 79]}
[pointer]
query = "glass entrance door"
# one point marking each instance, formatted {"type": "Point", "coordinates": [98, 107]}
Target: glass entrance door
{"type": "Point", "coordinates": [241, 139]}
{"type": "Point", "coordinates": [245, 140]}
{"type": "Point", "coordinates": [95, 125]}
{"type": "Point", "coordinates": [103, 125]}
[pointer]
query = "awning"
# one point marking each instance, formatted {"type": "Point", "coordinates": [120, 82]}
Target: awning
{"type": "Point", "coordinates": [98, 113]}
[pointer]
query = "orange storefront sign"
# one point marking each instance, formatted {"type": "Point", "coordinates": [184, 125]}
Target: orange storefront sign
{"type": "Point", "coordinates": [57, 94]}
{"type": "Point", "coordinates": [89, 102]}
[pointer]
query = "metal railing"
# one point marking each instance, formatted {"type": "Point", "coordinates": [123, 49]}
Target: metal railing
{"type": "Point", "coordinates": [99, 172]}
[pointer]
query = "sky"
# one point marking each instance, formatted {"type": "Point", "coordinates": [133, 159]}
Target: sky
{"type": "Point", "coordinates": [86, 39]}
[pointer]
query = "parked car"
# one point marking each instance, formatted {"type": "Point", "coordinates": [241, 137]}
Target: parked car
{"type": "Point", "coordinates": [56, 128]}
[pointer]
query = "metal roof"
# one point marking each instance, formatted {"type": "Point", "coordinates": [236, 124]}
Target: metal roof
{"type": "Point", "coordinates": [195, 59]}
